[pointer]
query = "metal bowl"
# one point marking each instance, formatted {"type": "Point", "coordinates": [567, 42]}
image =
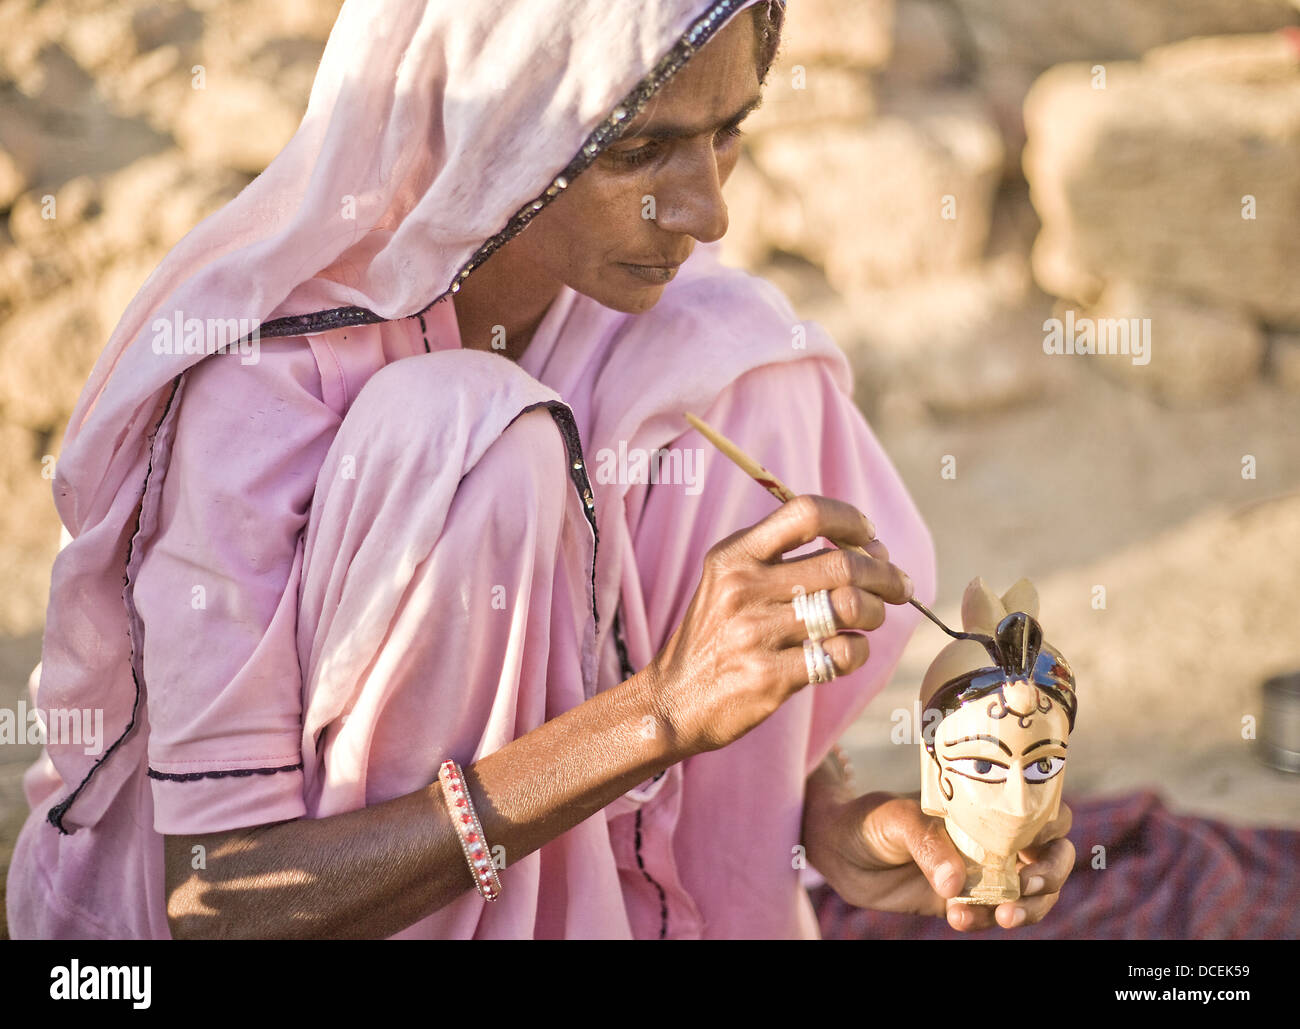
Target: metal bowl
{"type": "Point", "coordinates": [1279, 730]}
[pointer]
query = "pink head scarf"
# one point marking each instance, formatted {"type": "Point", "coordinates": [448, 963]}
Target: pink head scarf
{"type": "Point", "coordinates": [434, 132]}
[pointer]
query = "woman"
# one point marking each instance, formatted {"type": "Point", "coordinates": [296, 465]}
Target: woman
{"type": "Point", "coordinates": [373, 543]}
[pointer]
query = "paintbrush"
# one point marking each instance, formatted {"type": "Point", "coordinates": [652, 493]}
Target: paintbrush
{"type": "Point", "coordinates": [783, 493]}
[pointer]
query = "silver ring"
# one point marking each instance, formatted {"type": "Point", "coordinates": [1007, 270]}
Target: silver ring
{"type": "Point", "coordinates": [816, 613]}
{"type": "Point", "coordinates": [829, 664]}
{"type": "Point", "coordinates": [819, 664]}
{"type": "Point", "coordinates": [810, 663]}
{"type": "Point", "coordinates": [823, 615]}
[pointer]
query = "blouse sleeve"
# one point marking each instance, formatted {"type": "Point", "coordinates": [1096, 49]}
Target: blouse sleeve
{"type": "Point", "coordinates": [794, 419]}
{"type": "Point", "coordinates": [217, 592]}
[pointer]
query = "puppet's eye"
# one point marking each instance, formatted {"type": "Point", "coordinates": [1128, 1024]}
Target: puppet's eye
{"type": "Point", "coordinates": [1043, 769]}
{"type": "Point", "coordinates": [980, 769]}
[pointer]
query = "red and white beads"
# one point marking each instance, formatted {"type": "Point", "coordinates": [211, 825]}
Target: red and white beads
{"type": "Point", "coordinates": [472, 841]}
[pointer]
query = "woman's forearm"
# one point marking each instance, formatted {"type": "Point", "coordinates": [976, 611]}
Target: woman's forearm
{"type": "Point", "coordinates": [372, 872]}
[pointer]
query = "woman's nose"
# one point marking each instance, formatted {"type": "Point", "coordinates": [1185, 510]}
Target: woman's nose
{"type": "Point", "coordinates": [694, 204]}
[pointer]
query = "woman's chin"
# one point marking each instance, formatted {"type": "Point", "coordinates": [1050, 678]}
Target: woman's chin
{"type": "Point", "coordinates": [633, 299]}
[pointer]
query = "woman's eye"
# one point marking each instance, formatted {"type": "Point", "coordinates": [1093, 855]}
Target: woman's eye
{"type": "Point", "coordinates": [1044, 769]}
{"type": "Point", "coordinates": [729, 132]}
{"type": "Point", "coordinates": [632, 158]}
{"type": "Point", "coordinates": [979, 769]}
{"type": "Point", "coordinates": [640, 155]}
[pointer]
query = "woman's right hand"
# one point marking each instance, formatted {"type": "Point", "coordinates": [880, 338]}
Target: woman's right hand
{"type": "Point", "coordinates": [738, 654]}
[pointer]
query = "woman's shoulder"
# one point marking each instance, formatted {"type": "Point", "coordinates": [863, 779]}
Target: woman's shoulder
{"type": "Point", "coordinates": [327, 368]}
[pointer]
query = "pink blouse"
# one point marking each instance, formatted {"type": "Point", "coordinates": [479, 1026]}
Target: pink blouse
{"type": "Point", "coordinates": [234, 660]}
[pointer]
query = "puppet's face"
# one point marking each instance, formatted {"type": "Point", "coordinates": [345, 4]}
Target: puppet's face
{"type": "Point", "coordinates": [1000, 764]}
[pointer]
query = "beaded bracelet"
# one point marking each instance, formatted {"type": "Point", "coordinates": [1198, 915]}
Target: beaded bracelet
{"type": "Point", "coordinates": [470, 831]}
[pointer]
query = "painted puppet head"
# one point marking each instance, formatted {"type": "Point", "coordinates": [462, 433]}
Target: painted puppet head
{"type": "Point", "coordinates": [997, 720]}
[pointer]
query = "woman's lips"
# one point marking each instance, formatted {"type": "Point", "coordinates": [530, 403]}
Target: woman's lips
{"type": "Point", "coordinates": [656, 274]}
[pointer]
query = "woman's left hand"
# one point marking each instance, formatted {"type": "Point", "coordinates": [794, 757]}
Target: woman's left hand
{"type": "Point", "coordinates": [881, 851]}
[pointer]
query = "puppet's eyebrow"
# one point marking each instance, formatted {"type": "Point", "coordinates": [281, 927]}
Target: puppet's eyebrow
{"type": "Point", "coordinates": [1042, 743]}
{"type": "Point", "coordinates": [666, 132]}
{"type": "Point", "coordinates": [990, 739]}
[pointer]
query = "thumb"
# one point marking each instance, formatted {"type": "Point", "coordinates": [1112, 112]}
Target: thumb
{"type": "Point", "coordinates": [895, 831]}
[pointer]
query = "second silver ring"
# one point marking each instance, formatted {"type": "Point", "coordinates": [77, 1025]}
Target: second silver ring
{"type": "Point", "coordinates": [818, 663]}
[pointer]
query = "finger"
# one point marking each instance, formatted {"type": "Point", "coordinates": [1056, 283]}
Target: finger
{"type": "Point", "coordinates": [966, 918]}
{"type": "Point", "coordinates": [1040, 889]}
{"type": "Point", "coordinates": [875, 549]}
{"type": "Point", "coordinates": [851, 608]}
{"type": "Point", "coordinates": [897, 832]}
{"type": "Point", "coordinates": [798, 522]}
{"type": "Point", "coordinates": [1048, 873]}
{"type": "Point", "coordinates": [1025, 911]}
{"type": "Point", "coordinates": [827, 569]}
{"type": "Point", "coordinates": [848, 652]}
{"type": "Point", "coordinates": [1055, 829]}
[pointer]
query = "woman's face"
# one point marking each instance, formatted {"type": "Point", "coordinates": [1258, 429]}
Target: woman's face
{"type": "Point", "coordinates": [651, 195]}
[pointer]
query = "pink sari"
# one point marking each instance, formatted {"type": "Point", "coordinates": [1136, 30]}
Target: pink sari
{"type": "Point", "coordinates": [332, 583]}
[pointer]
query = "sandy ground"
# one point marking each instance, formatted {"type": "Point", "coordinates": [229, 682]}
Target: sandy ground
{"type": "Point", "coordinates": [1098, 487]}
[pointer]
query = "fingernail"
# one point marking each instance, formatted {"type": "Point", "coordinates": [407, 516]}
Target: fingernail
{"type": "Point", "coordinates": [1018, 918]}
{"type": "Point", "coordinates": [1035, 884]}
{"type": "Point", "coordinates": [908, 588]}
{"type": "Point", "coordinates": [871, 527]}
{"type": "Point", "coordinates": [945, 875]}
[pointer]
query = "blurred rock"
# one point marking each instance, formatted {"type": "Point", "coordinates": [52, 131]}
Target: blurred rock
{"type": "Point", "coordinates": [12, 181]}
{"type": "Point", "coordinates": [57, 125]}
{"type": "Point", "coordinates": [854, 32]}
{"type": "Point", "coordinates": [747, 242]}
{"type": "Point", "coordinates": [1037, 34]}
{"type": "Point", "coordinates": [909, 194]}
{"type": "Point", "coordinates": [158, 199]}
{"type": "Point", "coordinates": [1284, 360]}
{"type": "Point", "coordinates": [215, 125]}
{"type": "Point", "coordinates": [1187, 182]}
{"type": "Point", "coordinates": [26, 547]}
{"type": "Point", "coordinates": [101, 38]}
{"type": "Point", "coordinates": [46, 351]}
{"type": "Point", "coordinates": [161, 23]}
{"type": "Point", "coordinates": [1197, 353]}
{"type": "Point", "coordinates": [37, 218]}
{"type": "Point", "coordinates": [1004, 87]}
{"type": "Point", "coordinates": [927, 47]}
{"type": "Point", "coordinates": [951, 346]}
{"type": "Point", "coordinates": [1253, 59]}
{"type": "Point", "coordinates": [816, 94]}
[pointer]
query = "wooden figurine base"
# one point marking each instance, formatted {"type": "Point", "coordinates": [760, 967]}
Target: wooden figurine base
{"type": "Point", "coordinates": [989, 886]}
{"type": "Point", "coordinates": [987, 898]}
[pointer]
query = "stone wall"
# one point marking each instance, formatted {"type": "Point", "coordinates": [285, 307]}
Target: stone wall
{"type": "Point", "coordinates": [887, 184]}
{"type": "Point", "coordinates": [122, 125]}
